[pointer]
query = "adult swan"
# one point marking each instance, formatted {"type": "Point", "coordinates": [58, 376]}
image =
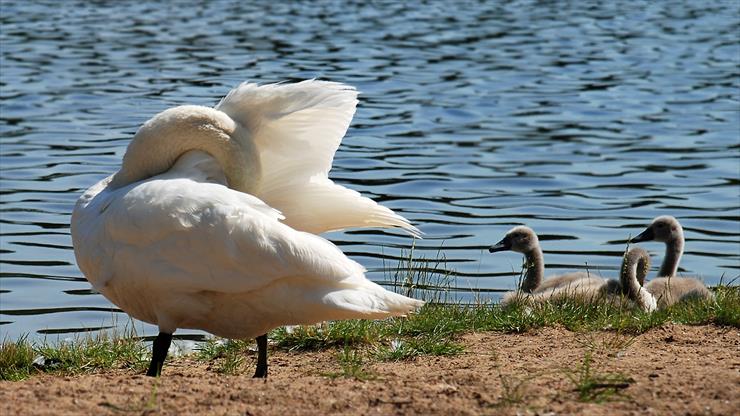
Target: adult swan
{"type": "Point", "coordinates": [208, 223]}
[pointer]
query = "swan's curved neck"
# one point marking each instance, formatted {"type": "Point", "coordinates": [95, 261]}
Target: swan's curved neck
{"type": "Point", "coordinates": [635, 266]}
{"type": "Point", "coordinates": [673, 252]}
{"type": "Point", "coordinates": [168, 135]}
{"type": "Point", "coordinates": [633, 261]}
{"type": "Point", "coordinates": [534, 270]}
{"type": "Point", "coordinates": [643, 268]}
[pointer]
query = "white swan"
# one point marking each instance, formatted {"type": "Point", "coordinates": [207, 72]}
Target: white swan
{"type": "Point", "coordinates": [524, 240]}
{"type": "Point", "coordinates": [275, 142]}
{"type": "Point", "coordinates": [182, 237]}
{"type": "Point", "coordinates": [669, 289]}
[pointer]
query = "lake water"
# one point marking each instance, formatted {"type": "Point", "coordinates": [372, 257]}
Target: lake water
{"type": "Point", "coordinates": [583, 122]}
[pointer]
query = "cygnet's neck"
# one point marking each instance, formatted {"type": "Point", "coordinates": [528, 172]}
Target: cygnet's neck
{"type": "Point", "coordinates": [534, 270]}
{"type": "Point", "coordinates": [163, 139]}
{"type": "Point", "coordinates": [673, 252]}
{"type": "Point", "coordinates": [635, 266]}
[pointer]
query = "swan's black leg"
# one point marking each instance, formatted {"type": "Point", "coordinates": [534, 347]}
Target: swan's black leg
{"type": "Point", "coordinates": [159, 352]}
{"type": "Point", "coordinates": [261, 357]}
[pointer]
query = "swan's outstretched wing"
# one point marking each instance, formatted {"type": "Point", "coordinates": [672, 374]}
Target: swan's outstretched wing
{"type": "Point", "coordinates": [323, 205]}
{"type": "Point", "coordinates": [297, 128]}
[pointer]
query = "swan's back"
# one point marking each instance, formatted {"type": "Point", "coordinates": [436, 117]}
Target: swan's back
{"type": "Point", "coordinates": [575, 285]}
{"type": "Point", "coordinates": [585, 288]}
{"type": "Point", "coordinates": [671, 290]}
{"type": "Point", "coordinates": [564, 280]}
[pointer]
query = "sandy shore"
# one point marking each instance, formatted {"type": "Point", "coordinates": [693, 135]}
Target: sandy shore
{"type": "Point", "coordinates": [673, 370]}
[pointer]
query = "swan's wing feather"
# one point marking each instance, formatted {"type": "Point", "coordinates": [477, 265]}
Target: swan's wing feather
{"type": "Point", "coordinates": [200, 166]}
{"type": "Point", "coordinates": [206, 237]}
{"type": "Point", "coordinates": [565, 280]}
{"type": "Point", "coordinates": [322, 205]}
{"type": "Point", "coordinates": [297, 128]}
{"type": "Point", "coordinates": [257, 204]}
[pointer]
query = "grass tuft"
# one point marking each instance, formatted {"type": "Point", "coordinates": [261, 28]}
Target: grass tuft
{"type": "Point", "coordinates": [226, 356]}
{"type": "Point", "coordinates": [425, 279]}
{"type": "Point", "coordinates": [20, 359]}
{"type": "Point", "coordinates": [85, 355]}
{"type": "Point", "coordinates": [352, 366]}
{"type": "Point", "coordinates": [16, 360]}
{"type": "Point", "coordinates": [609, 344]}
{"type": "Point", "coordinates": [326, 335]}
{"type": "Point", "coordinates": [408, 348]}
{"type": "Point", "coordinates": [596, 387]}
{"type": "Point", "coordinates": [727, 307]}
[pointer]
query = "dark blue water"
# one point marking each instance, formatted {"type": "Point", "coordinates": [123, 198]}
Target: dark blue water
{"type": "Point", "coordinates": [582, 121]}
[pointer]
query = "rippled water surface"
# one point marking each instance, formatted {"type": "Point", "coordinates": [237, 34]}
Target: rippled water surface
{"type": "Point", "coordinates": [584, 122]}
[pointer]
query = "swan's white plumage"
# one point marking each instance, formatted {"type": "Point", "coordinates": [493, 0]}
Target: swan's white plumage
{"type": "Point", "coordinates": [203, 226]}
{"type": "Point", "coordinates": [181, 251]}
{"type": "Point", "coordinates": [296, 129]}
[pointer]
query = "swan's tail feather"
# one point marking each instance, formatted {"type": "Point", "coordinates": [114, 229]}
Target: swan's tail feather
{"type": "Point", "coordinates": [320, 205]}
{"type": "Point", "coordinates": [371, 301]}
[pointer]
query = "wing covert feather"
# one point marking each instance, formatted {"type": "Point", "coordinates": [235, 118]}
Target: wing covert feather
{"type": "Point", "coordinates": [207, 237]}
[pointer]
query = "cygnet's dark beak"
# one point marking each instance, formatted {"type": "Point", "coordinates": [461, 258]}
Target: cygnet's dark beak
{"type": "Point", "coordinates": [646, 235]}
{"type": "Point", "coordinates": [502, 245]}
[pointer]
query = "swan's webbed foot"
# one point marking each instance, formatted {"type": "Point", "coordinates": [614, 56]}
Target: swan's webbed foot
{"type": "Point", "coordinates": [159, 352]}
{"type": "Point", "coordinates": [261, 371]}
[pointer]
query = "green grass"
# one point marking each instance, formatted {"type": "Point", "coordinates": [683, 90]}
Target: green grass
{"type": "Point", "coordinates": [435, 329]}
{"type": "Point", "coordinates": [21, 359]}
{"type": "Point", "coordinates": [352, 365]}
{"type": "Point", "coordinates": [326, 335]}
{"type": "Point", "coordinates": [16, 359]}
{"type": "Point", "coordinates": [726, 311]}
{"type": "Point", "coordinates": [594, 386]}
{"type": "Point", "coordinates": [408, 348]}
{"type": "Point", "coordinates": [85, 355]}
{"type": "Point", "coordinates": [609, 344]}
{"type": "Point", "coordinates": [425, 279]}
{"type": "Point", "coordinates": [513, 389]}
{"type": "Point", "coordinates": [225, 356]}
